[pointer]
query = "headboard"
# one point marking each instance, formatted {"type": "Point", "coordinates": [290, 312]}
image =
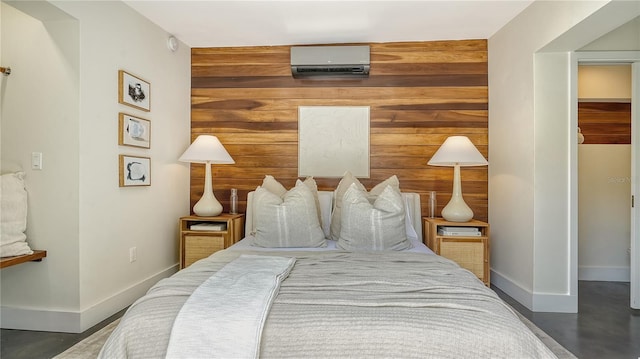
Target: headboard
{"type": "Point", "coordinates": [412, 209]}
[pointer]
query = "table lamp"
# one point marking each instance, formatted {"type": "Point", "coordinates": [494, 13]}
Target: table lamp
{"type": "Point", "coordinates": [207, 149]}
{"type": "Point", "coordinates": [456, 152]}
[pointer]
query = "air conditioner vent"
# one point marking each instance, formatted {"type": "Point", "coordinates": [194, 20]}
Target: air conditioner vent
{"type": "Point", "coordinates": [330, 61]}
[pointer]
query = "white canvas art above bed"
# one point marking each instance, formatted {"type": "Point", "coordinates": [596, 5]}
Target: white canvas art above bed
{"type": "Point", "coordinates": [333, 140]}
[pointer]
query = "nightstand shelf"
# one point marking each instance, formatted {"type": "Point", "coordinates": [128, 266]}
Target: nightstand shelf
{"type": "Point", "coordinates": [198, 244]}
{"type": "Point", "coordinates": [470, 252]}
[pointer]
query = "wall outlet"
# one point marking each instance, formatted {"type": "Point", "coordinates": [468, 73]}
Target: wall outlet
{"type": "Point", "coordinates": [132, 254]}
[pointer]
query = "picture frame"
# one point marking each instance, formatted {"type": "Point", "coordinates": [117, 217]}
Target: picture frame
{"type": "Point", "coordinates": [134, 91]}
{"type": "Point", "coordinates": [134, 171]}
{"type": "Point", "coordinates": [133, 131]}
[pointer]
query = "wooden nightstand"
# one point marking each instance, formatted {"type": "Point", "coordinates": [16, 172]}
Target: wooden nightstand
{"type": "Point", "coordinates": [198, 244]}
{"type": "Point", "coordinates": [470, 252]}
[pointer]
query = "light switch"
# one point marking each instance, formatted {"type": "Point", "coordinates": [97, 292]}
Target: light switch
{"type": "Point", "coordinates": [36, 160]}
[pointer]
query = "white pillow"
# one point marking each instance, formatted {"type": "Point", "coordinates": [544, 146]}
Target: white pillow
{"type": "Point", "coordinates": [275, 187]}
{"type": "Point", "coordinates": [325, 200]}
{"type": "Point", "coordinates": [272, 184]}
{"type": "Point", "coordinates": [347, 180]}
{"type": "Point", "coordinates": [291, 221]}
{"type": "Point", "coordinates": [13, 215]}
{"type": "Point", "coordinates": [373, 227]}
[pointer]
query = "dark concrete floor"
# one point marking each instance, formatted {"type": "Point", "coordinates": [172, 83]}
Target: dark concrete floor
{"type": "Point", "coordinates": [26, 344]}
{"type": "Point", "coordinates": [604, 328]}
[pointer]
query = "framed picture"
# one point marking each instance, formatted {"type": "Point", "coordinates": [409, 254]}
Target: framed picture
{"type": "Point", "coordinates": [135, 171]}
{"type": "Point", "coordinates": [134, 91]}
{"type": "Point", "coordinates": [333, 140]}
{"type": "Point", "coordinates": [134, 131]}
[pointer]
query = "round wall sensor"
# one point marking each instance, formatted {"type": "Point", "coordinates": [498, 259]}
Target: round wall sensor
{"type": "Point", "coordinates": [172, 43]}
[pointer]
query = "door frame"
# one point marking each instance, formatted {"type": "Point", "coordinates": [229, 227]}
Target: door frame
{"type": "Point", "coordinates": [594, 57]}
{"type": "Point", "coordinates": [635, 185]}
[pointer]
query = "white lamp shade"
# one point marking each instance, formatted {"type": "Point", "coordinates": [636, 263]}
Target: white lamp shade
{"type": "Point", "coordinates": [207, 148]}
{"type": "Point", "coordinates": [457, 150]}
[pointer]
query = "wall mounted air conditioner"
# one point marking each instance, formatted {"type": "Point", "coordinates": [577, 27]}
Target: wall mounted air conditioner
{"type": "Point", "coordinates": [330, 61]}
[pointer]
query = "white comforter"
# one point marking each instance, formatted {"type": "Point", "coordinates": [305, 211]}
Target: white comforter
{"type": "Point", "coordinates": [340, 304]}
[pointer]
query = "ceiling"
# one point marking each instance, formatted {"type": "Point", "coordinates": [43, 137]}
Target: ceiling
{"type": "Point", "coordinates": [211, 23]}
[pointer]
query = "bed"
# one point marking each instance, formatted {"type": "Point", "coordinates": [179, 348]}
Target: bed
{"type": "Point", "coordinates": [331, 298]}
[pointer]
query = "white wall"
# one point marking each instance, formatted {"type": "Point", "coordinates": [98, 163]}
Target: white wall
{"type": "Point", "coordinates": [604, 82]}
{"type": "Point", "coordinates": [512, 141]}
{"type": "Point", "coordinates": [40, 114]}
{"type": "Point", "coordinates": [625, 37]}
{"type": "Point", "coordinates": [552, 185]}
{"type": "Point", "coordinates": [604, 173]}
{"type": "Point", "coordinates": [107, 220]}
{"type": "Point", "coordinates": [531, 141]}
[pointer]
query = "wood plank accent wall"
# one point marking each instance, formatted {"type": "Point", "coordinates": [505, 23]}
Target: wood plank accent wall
{"type": "Point", "coordinates": [605, 122]}
{"type": "Point", "coordinates": [419, 92]}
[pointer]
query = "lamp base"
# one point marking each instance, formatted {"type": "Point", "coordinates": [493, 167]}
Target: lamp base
{"type": "Point", "coordinates": [457, 210]}
{"type": "Point", "coordinates": [207, 206]}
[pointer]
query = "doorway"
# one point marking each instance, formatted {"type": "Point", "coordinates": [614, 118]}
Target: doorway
{"type": "Point", "coordinates": [604, 172]}
{"type": "Point", "coordinates": [622, 181]}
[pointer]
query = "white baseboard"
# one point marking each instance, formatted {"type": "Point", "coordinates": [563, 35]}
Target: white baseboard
{"type": "Point", "coordinates": [555, 303]}
{"type": "Point", "coordinates": [109, 306]}
{"type": "Point", "coordinates": [606, 274]}
{"type": "Point", "coordinates": [41, 320]}
{"type": "Point", "coordinates": [78, 322]}
{"type": "Point", "coordinates": [535, 302]}
{"type": "Point", "coordinates": [512, 289]}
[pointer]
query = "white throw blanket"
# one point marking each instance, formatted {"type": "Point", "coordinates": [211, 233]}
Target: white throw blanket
{"type": "Point", "coordinates": [229, 308]}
